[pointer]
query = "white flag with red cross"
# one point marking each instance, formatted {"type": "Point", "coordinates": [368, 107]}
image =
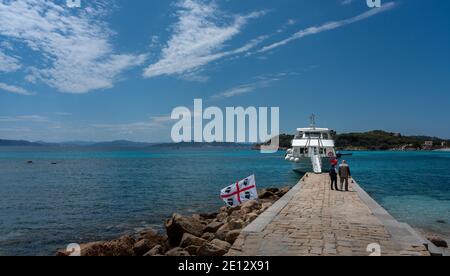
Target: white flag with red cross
{"type": "Point", "coordinates": [243, 191]}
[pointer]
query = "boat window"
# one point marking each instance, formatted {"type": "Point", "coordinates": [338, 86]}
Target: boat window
{"type": "Point", "coordinates": [299, 135]}
{"type": "Point", "coordinates": [313, 135]}
{"type": "Point", "coordinates": [326, 136]}
{"type": "Point", "coordinates": [302, 151]}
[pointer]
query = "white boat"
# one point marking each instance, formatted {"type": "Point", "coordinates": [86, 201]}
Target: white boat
{"type": "Point", "coordinates": [313, 149]}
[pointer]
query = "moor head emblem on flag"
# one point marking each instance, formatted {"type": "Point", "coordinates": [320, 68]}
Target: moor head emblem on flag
{"type": "Point", "coordinates": [243, 191]}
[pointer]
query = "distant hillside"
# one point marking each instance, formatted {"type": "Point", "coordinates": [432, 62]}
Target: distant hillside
{"type": "Point", "coordinates": [121, 143]}
{"type": "Point", "coordinates": [202, 145]}
{"type": "Point", "coordinates": [18, 143]}
{"type": "Point", "coordinates": [374, 140]}
{"type": "Point", "coordinates": [382, 140]}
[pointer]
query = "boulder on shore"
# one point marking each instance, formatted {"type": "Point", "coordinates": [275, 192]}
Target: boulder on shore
{"type": "Point", "coordinates": [177, 252]}
{"type": "Point", "coordinates": [232, 236]}
{"type": "Point", "coordinates": [121, 247]}
{"type": "Point", "coordinates": [155, 251]}
{"type": "Point", "coordinates": [189, 240]}
{"type": "Point", "coordinates": [178, 225]}
{"type": "Point", "coordinates": [438, 241]}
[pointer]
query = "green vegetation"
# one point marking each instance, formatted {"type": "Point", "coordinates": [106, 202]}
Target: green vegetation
{"type": "Point", "coordinates": [376, 140]}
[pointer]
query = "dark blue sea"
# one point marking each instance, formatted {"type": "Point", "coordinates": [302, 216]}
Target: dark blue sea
{"type": "Point", "coordinates": [98, 194]}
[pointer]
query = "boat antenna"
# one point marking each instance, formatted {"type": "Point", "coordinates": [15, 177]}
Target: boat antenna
{"type": "Point", "coordinates": [313, 121]}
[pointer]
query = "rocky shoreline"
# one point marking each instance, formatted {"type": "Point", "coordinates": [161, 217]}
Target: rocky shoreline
{"type": "Point", "coordinates": [196, 235]}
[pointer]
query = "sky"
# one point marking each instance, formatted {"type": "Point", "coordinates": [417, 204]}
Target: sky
{"type": "Point", "coordinates": [114, 70]}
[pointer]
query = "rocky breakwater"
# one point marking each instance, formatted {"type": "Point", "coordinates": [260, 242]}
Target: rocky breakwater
{"type": "Point", "coordinates": [196, 235]}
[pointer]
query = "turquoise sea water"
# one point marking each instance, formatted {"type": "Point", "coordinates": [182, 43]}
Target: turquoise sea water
{"type": "Point", "coordinates": [94, 194]}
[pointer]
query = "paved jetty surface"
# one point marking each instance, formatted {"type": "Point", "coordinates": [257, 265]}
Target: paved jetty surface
{"type": "Point", "coordinates": [313, 220]}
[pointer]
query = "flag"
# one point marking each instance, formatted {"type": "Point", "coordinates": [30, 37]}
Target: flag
{"type": "Point", "coordinates": [243, 191]}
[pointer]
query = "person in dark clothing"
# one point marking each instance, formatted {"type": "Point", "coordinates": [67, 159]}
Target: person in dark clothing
{"type": "Point", "coordinates": [334, 178]}
{"type": "Point", "coordinates": [344, 175]}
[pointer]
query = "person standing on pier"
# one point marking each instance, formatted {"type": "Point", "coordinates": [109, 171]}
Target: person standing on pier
{"type": "Point", "coordinates": [333, 175]}
{"type": "Point", "coordinates": [344, 174]}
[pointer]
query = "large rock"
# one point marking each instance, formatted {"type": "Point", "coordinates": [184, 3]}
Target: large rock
{"type": "Point", "coordinates": [232, 236]}
{"type": "Point", "coordinates": [177, 252]}
{"type": "Point", "coordinates": [221, 244]}
{"type": "Point", "coordinates": [438, 241]}
{"type": "Point", "coordinates": [178, 225]}
{"type": "Point", "coordinates": [209, 216]}
{"type": "Point", "coordinates": [283, 191]}
{"type": "Point", "coordinates": [211, 250]}
{"type": "Point", "coordinates": [250, 206]}
{"type": "Point", "coordinates": [142, 247]}
{"type": "Point", "coordinates": [222, 217]}
{"type": "Point", "coordinates": [122, 247]}
{"type": "Point", "coordinates": [155, 251]}
{"type": "Point", "coordinates": [189, 240]}
{"type": "Point", "coordinates": [265, 194]}
{"type": "Point", "coordinates": [249, 218]}
{"type": "Point", "coordinates": [236, 224]}
{"type": "Point", "coordinates": [223, 231]}
{"type": "Point", "coordinates": [192, 250]}
{"type": "Point", "coordinates": [153, 237]}
{"type": "Point", "coordinates": [208, 236]}
{"type": "Point", "coordinates": [213, 227]}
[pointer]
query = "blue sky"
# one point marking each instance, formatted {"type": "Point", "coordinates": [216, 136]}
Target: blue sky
{"type": "Point", "coordinates": [116, 69]}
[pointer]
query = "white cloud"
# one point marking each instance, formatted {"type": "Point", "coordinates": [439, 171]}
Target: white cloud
{"type": "Point", "coordinates": [15, 89]}
{"type": "Point", "coordinates": [260, 83]}
{"type": "Point", "coordinates": [153, 123]}
{"type": "Point", "coordinates": [8, 64]}
{"type": "Point", "coordinates": [24, 118]}
{"type": "Point", "coordinates": [329, 26]}
{"type": "Point", "coordinates": [74, 47]}
{"type": "Point", "coordinates": [198, 38]}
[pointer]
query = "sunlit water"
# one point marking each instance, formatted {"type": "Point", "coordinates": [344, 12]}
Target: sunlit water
{"type": "Point", "coordinates": [101, 194]}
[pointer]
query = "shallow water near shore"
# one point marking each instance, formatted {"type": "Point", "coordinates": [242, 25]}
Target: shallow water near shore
{"type": "Point", "coordinates": [98, 194]}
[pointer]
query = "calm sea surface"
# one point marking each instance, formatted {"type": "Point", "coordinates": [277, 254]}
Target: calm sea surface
{"type": "Point", "coordinates": [101, 194]}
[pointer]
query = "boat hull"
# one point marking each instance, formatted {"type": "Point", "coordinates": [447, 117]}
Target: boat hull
{"type": "Point", "coordinates": [305, 165]}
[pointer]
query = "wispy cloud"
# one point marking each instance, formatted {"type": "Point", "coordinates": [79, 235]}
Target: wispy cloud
{"type": "Point", "coordinates": [75, 49]}
{"type": "Point", "coordinates": [260, 82]}
{"type": "Point", "coordinates": [153, 123]}
{"type": "Point", "coordinates": [199, 37]}
{"type": "Point", "coordinates": [24, 118]}
{"type": "Point", "coordinates": [8, 64]}
{"type": "Point", "coordinates": [15, 89]}
{"type": "Point", "coordinates": [329, 26]}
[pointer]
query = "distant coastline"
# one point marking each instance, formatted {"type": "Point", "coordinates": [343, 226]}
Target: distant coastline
{"type": "Point", "coordinates": [376, 140]}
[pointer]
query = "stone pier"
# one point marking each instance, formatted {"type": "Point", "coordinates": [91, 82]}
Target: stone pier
{"type": "Point", "coordinates": [313, 220]}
